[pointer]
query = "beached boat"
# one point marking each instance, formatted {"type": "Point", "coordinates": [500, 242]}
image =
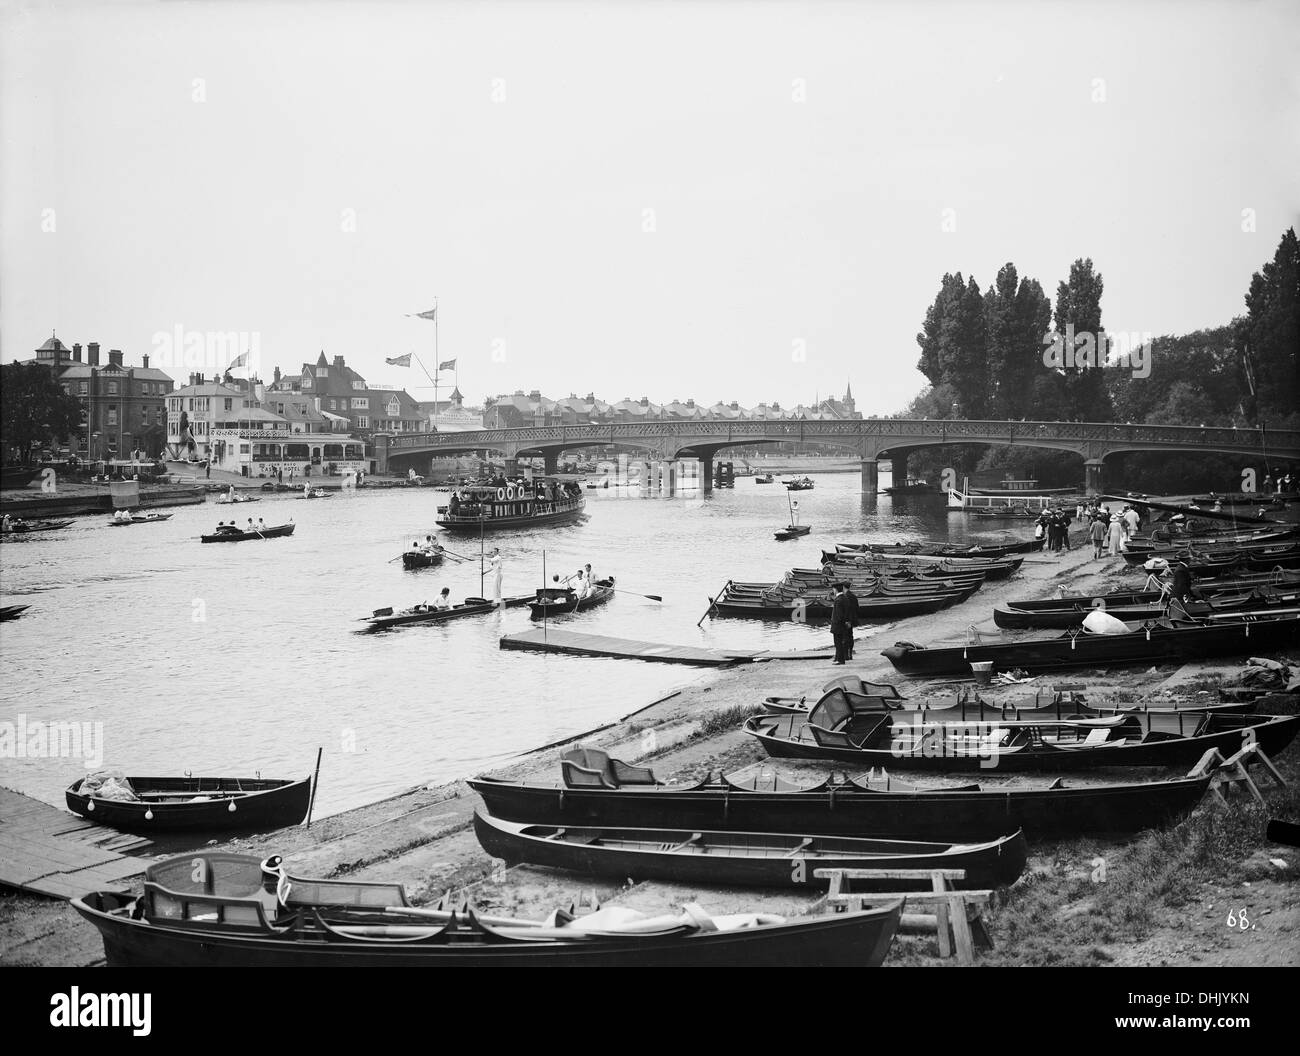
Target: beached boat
{"type": "Point", "coordinates": [993, 568]}
{"type": "Point", "coordinates": [818, 609]}
{"type": "Point", "coordinates": [1044, 615]}
{"type": "Point", "coordinates": [935, 548]}
{"type": "Point", "coordinates": [493, 509]}
{"type": "Point", "coordinates": [191, 804]}
{"type": "Point", "coordinates": [237, 535]}
{"type": "Point", "coordinates": [927, 740]}
{"type": "Point", "coordinates": [226, 910]}
{"type": "Point", "coordinates": [141, 518]}
{"type": "Point", "coordinates": [755, 859]}
{"type": "Point", "coordinates": [838, 805]}
{"type": "Point", "coordinates": [556, 601]}
{"type": "Point", "coordinates": [1151, 642]}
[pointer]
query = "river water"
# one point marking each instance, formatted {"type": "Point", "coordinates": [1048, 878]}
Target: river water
{"type": "Point", "coordinates": [241, 658]}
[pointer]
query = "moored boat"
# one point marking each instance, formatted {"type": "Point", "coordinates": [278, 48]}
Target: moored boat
{"type": "Point", "coordinates": [190, 804]}
{"type": "Point", "coordinates": [226, 910]}
{"type": "Point", "coordinates": [490, 508]}
{"type": "Point", "coordinates": [1152, 642]}
{"type": "Point", "coordinates": [841, 805]}
{"type": "Point", "coordinates": [743, 858]}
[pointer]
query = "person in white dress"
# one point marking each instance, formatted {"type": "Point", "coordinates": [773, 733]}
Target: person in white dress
{"type": "Point", "coordinates": [496, 565]}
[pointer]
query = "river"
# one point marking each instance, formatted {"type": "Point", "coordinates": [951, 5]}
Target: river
{"type": "Point", "coordinates": [242, 658]}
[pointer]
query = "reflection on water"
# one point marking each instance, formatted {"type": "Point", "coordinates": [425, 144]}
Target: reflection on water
{"type": "Point", "coordinates": [242, 658]}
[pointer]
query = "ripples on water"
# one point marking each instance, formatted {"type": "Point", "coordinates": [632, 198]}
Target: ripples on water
{"type": "Point", "coordinates": [226, 659]}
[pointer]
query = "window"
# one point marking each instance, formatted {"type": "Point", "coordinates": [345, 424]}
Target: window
{"type": "Point", "coordinates": [306, 383]}
{"type": "Point", "coordinates": [363, 422]}
{"type": "Point", "coordinates": [112, 414]}
{"type": "Point", "coordinates": [243, 449]}
{"type": "Point", "coordinates": [67, 390]}
{"type": "Point", "coordinates": [144, 416]}
{"type": "Point", "coordinates": [394, 408]}
{"type": "Point", "coordinates": [362, 404]}
{"type": "Point", "coordinates": [359, 384]}
{"type": "Point", "coordinates": [112, 388]}
{"type": "Point", "coordinates": [322, 372]}
{"type": "Point", "coordinates": [83, 388]}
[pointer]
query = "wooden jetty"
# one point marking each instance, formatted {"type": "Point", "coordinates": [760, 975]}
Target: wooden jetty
{"type": "Point", "coordinates": [550, 640]}
{"type": "Point", "coordinates": [46, 851]}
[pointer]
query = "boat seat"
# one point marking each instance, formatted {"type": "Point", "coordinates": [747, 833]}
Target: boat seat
{"type": "Point", "coordinates": [576, 776]}
{"type": "Point", "coordinates": [614, 771]}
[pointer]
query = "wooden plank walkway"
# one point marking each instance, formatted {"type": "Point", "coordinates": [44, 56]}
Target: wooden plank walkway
{"type": "Point", "coordinates": [45, 851]}
{"type": "Point", "coordinates": [551, 640]}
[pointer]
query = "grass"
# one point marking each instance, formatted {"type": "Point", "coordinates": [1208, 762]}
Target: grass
{"type": "Point", "coordinates": [1091, 894]}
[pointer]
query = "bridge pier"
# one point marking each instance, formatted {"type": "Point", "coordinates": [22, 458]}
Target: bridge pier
{"type": "Point", "coordinates": [1093, 484]}
{"type": "Point", "coordinates": [550, 462]}
{"type": "Point", "coordinates": [870, 476]}
{"type": "Point", "coordinates": [898, 460]}
{"type": "Point", "coordinates": [706, 474]}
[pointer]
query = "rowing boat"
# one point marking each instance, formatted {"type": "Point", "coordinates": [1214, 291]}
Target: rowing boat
{"type": "Point", "coordinates": [754, 859]}
{"type": "Point", "coordinates": [556, 601]}
{"type": "Point", "coordinates": [844, 806]}
{"type": "Point", "coordinates": [922, 740]}
{"type": "Point", "coordinates": [935, 548]}
{"type": "Point", "coordinates": [192, 804]}
{"type": "Point", "coordinates": [28, 527]}
{"type": "Point", "coordinates": [1151, 642]}
{"type": "Point", "coordinates": [1072, 612]}
{"type": "Point", "coordinates": [423, 557]}
{"type": "Point", "coordinates": [213, 909]}
{"type": "Point", "coordinates": [239, 535]}
{"type": "Point", "coordinates": [141, 518]}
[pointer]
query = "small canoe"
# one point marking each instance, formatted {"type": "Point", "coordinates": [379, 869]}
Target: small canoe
{"type": "Point", "coordinates": [386, 619]}
{"type": "Point", "coordinates": [197, 804]}
{"type": "Point", "coordinates": [240, 534]}
{"type": "Point", "coordinates": [556, 601]}
{"type": "Point", "coordinates": [794, 531]}
{"type": "Point", "coordinates": [754, 859]}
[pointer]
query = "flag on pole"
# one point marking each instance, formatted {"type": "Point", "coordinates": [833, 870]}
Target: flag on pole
{"type": "Point", "coordinates": [432, 313]}
{"type": "Point", "coordinates": [447, 364]}
{"type": "Point", "coordinates": [399, 361]}
{"type": "Point", "coordinates": [238, 361]}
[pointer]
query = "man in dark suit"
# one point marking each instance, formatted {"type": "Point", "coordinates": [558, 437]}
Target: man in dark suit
{"type": "Point", "coordinates": [841, 632]}
{"type": "Point", "coordinates": [853, 617]}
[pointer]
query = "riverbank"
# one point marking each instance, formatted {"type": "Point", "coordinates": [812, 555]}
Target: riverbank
{"type": "Point", "coordinates": [74, 498]}
{"type": "Point", "coordinates": [423, 838]}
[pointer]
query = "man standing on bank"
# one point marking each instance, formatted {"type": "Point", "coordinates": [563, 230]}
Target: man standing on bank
{"type": "Point", "coordinates": [841, 630]}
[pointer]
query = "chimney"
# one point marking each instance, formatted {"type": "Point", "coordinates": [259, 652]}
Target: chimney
{"type": "Point", "coordinates": [114, 357]}
{"type": "Point", "coordinates": [76, 353]}
{"type": "Point", "coordinates": [92, 354]}
{"type": "Point", "coordinates": [145, 359]}
{"type": "Point", "coordinates": [645, 402]}
{"type": "Point", "coordinates": [276, 377]}
{"type": "Point", "coordinates": [536, 394]}
{"type": "Point", "coordinates": [691, 402]}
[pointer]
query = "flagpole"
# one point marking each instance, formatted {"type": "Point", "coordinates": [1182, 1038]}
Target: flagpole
{"type": "Point", "coordinates": [437, 365]}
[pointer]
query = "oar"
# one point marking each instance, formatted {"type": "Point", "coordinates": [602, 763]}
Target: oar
{"type": "Point", "coordinates": [713, 603]}
{"type": "Point", "coordinates": [652, 597]}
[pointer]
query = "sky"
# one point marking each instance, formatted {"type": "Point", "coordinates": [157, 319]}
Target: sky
{"type": "Point", "coordinates": [720, 200]}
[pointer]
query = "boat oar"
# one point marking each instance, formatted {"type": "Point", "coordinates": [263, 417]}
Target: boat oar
{"type": "Point", "coordinates": [713, 603]}
{"type": "Point", "coordinates": [652, 597]}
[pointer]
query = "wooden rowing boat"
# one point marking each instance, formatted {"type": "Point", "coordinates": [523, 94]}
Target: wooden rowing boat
{"type": "Point", "coordinates": [927, 741]}
{"type": "Point", "coordinates": [754, 859]}
{"type": "Point", "coordinates": [843, 806]}
{"type": "Point", "coordinates": [549, 602]}
{"type": "Point", "coordinates": [1071, 613]}
{"type": "Point", "coordinates": [196, 804]}
{"type": "Point", "coordinates": [1152, 642]}
{"type": "Point", "coordinates": [226, 910]}
{"type": "Point", "coordinates": [424, 557]}
{"type": "Point", "coordinates": [793, 531]}
{"type": "Point", "coordinates": [141, 518]}
{"type": "Point", "coordinates": [239, 535]}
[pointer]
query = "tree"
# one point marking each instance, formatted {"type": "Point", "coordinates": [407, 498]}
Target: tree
{"type": "Point", "coordinates": [1272, 332]}
{"type": "Point", "coordinates": [34, 408]}
{"type": "Point", "coordinates": [1018, 314]}
{"type": "Point", "coordinates": [954, 346]}
{"type": "Point", "coordinates": [1078, 310]}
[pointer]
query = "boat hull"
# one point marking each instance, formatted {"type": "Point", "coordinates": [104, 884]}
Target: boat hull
{"type": "Point", "coordinates": [504, 524]}
{"type": "Point", "coordinates": [993, 864]}
{"type": "Point", "coordinates": [849, 810]}
{"type": "Point", "coordinates": [1071, 651]}
{"type": "Point", "coordinates": [277, 532]}
{"type": "Point", "coordinates": [281, 804]}
{"type": "Point", "coordinates": [833, 940]}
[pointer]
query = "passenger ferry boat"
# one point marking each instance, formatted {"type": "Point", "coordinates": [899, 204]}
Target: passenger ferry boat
{"type": "Point", "coordinates": [486, 507]}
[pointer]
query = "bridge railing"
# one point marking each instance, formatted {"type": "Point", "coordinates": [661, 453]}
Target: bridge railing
{"type": "Point", "coordinates": [689, 430]}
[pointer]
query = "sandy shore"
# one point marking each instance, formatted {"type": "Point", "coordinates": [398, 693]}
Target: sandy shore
{"type": "Point", "coordinates": [424, 838]}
